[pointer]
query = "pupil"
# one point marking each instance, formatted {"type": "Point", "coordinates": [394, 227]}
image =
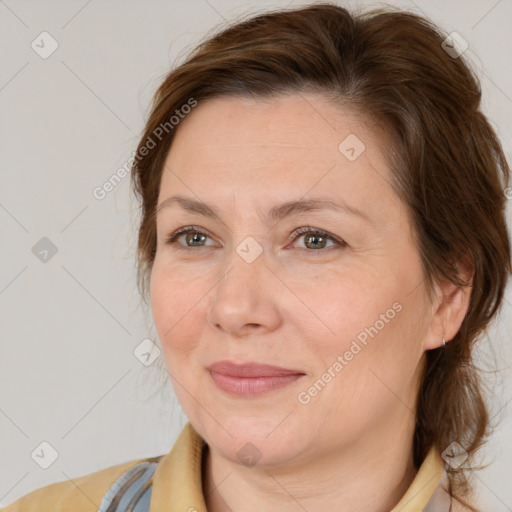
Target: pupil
{"type": "Point", "coordinates": [196, 237]}
{"type": "Point", "coordinates": [318, 237]}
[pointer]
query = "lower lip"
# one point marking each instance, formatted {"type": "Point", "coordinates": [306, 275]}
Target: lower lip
{"type": "Point", "coordinates": [252, 386]}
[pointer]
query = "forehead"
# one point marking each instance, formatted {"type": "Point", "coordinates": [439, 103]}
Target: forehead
{"type": "Point", "coordinates": [290, 144]}
{"type": "Point", "coordinates": [302, 122]}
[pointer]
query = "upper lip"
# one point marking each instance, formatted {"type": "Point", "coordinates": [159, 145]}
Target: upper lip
{"type": "Point", "coordinates": [251, 369]}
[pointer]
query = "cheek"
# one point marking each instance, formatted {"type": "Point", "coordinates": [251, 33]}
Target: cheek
{"type": "Point", "coordinates": [379, 361]}
{"type": "Point", "coordinates": [367, 328]}
{"type": "Point", "coordinates": [345, 310]}
{"type": "Point", "coordinates": [176, 305]}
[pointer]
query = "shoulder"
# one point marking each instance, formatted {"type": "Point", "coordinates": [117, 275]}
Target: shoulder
{"type": "Point", "coordinates": [80, 494]}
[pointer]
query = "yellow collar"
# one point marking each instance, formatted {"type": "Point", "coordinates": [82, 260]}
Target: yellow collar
{"type": "Point", "coordinates": [177, 482]}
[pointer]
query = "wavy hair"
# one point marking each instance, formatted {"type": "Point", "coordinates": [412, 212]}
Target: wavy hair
{"type": "Point", "coordinates": [447, 163]}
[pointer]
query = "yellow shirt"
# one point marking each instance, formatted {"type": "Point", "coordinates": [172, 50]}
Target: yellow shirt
{"type": "Point", "coordinates": [177, 484]}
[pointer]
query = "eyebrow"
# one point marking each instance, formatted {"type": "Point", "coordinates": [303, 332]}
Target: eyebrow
{"type": "Point", "coordinates": [275, 214]}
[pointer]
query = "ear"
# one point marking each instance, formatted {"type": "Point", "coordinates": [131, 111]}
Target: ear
{"type": "Point", "coordinates": [449, 309]}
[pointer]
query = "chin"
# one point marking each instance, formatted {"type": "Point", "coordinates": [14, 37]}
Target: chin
{"type": "Point", "coordinates": [254, 440]}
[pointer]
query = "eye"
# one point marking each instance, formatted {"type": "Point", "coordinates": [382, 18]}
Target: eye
{"type": "Point", "coordinates": [192, 234]}
{"type": "Point", "coordinates": [196, 237]}
{"type": "Point", "coordinates": [317, 238]}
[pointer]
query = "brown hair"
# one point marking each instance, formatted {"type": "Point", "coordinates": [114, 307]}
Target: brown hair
{"type": "Point", "coordinates": [448, 165]}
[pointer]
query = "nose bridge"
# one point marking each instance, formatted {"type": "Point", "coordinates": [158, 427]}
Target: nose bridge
{"type": "Point", "coordinates": [244, 266]}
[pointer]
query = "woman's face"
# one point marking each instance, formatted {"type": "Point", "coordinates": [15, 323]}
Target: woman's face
{"type": "Point", "coordinates": [346, 311]}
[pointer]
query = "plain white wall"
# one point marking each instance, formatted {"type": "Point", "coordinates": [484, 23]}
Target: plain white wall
{"type": "Point", "coordinates": [69, 325]}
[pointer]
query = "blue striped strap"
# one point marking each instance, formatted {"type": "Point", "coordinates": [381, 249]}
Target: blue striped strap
{"type": "Point", "coordinates": [128, 487]}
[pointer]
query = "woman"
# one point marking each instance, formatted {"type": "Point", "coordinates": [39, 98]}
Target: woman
{"type": "Point", "coordinates": [322, 241]}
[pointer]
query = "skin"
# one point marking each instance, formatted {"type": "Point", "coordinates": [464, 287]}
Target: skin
{"type": "Point", "coordinates": [296, 306]}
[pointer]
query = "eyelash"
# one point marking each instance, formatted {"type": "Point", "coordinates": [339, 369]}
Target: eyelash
{"type": "Point", "coordinates": [172, 239]}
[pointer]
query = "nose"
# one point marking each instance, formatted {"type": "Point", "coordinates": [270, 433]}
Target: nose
{"type": "Point", "coordinates": [245, 301]}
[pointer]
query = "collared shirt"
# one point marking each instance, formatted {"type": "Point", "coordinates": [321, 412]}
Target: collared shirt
{"type": "Point", "coordinates": [177, 484]}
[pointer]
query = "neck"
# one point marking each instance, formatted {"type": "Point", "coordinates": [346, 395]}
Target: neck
{"type": "Point", "coordinates": [370, 475]}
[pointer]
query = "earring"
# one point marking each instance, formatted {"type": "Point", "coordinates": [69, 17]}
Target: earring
{"type": "Point", "coordinates": [444, 341]}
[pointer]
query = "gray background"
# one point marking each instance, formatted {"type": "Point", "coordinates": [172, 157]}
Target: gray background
{"type": "Point", "coordinates": [69, 325]}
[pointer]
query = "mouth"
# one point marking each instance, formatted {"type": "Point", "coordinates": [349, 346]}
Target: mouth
{"type": "Point", "coordinates": [251, 379]}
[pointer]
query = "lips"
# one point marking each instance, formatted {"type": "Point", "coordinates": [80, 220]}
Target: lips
{"type": "Point", "coordinates": [251, 370]}
{"type": "Point", "coordinates": [251, 379]}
